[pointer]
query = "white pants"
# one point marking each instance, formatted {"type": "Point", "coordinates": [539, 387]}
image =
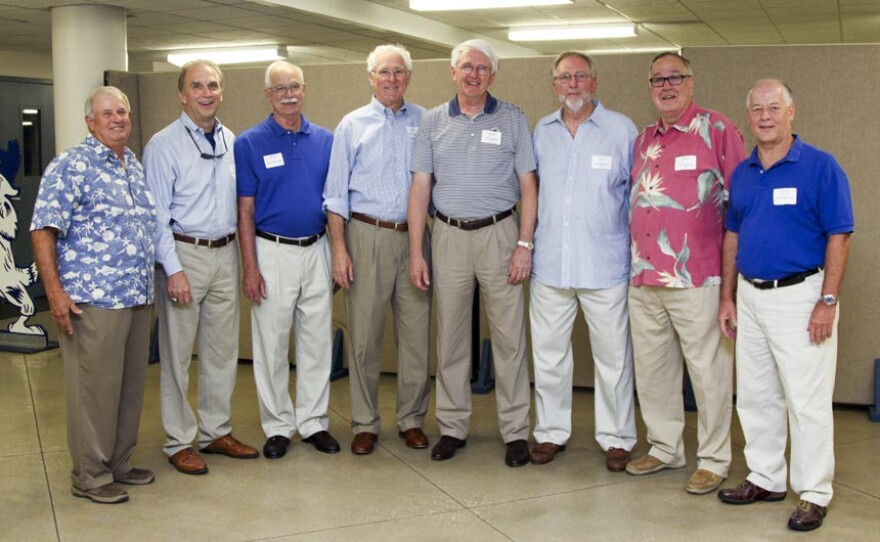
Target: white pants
{"type": "Point", "coordinates": [299, 291]}
{"type": "Point", "coordinates": [782, 377]}
{"type": "Point", "coordinates": [551, 313]}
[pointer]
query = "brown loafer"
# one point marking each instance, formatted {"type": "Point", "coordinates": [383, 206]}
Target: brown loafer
{"type": "Point", "coordinates": [364, 443]}
{"type": "Point", "coordinates": [414, 438]}
{"type": "Point", "coordinates": [231, 447]}
{"type": "Point", "coordinates": [544, 452]}
{"type": "Point", "coordinates": [748, 493]}
{"type": "Point", "coordinates": [616, 459]}
{"type": "Point", "coordinates": [188, 461]}
{"type": "Point", "coordinates": [807, 516]}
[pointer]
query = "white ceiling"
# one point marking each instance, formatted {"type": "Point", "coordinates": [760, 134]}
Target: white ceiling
{"type": "Point", "coordinates": [331, 31]}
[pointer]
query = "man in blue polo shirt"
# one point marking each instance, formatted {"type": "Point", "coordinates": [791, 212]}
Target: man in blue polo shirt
{"type": "Point", "coordinates": [788, 229]}
{"type": "Point", "coordinates": [281, 165]}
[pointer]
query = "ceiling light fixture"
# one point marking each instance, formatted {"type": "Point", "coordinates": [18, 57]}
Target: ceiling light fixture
{"type": "Point", "coordinates": [567, 33]}
{"type": "Point", "coordinates": [231, 55]}
{"type": "Point", "coordinates": [456, 5]}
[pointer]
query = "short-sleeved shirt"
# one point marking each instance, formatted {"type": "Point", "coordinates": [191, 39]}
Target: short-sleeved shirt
{"type": "Point", "coordinates": [783, 215]}
{"type": "Point", "coordinates": [680, 178]}
{"type": "Point", "coordinates": [106, 223]}
{"type": "Point", "coordinates": [194, 195]}
{"type": "Point", "coordinates": [582, 238]}
{"type": "Point", "coordinates": [284, 171]}
{"type": "Point", "coordinates": [370, 161]}
{"type": "Point", "coordinates": [476, 162]}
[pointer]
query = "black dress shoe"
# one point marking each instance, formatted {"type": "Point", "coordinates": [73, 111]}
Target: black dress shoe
{"type": "Point", "coordinates": [276, 447]}
{"type": "Point", "coordinates": [323, 441]}
{"type": "Point", "coordinates": [517, 453]}
{"type": "Point", "coordinates": [446, 448]}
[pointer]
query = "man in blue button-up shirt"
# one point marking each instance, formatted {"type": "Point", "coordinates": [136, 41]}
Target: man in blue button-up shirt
{"type": "Point", "coordinates": [368, 186]}
{"type": "Point", "coordinates": [93, 228]}
{"type": "Point", "coordinates": [582, 258]}
{"type": "Point", "coordinates": [191, 172]}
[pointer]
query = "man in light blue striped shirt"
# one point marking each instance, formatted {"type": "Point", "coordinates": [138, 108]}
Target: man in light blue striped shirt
{"type": "Point", "coordinates": [368, 186]}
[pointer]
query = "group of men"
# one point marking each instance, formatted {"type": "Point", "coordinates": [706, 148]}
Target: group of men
{"type": "Point", "coordinates": [635, 229]}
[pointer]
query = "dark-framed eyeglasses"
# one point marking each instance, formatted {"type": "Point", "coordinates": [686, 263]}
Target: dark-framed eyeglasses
{"type": "Point", "coordinates": [205, 155]}
{"type": "Point", "coordinates": [673, 80]}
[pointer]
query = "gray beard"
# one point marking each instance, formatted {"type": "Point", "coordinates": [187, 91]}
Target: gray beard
{"type": "Point", "coordinates": [572, 105]}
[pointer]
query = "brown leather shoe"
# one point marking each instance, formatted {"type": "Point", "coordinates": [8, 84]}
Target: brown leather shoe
{"type": "Point", "coordinates": [807, 516]}
{"type": "Point", "coordinates": [748, 493]}
{"type": "Point", "coordinates": [364, 443]}
{"type": "Point", "coordinates": [231, 447]}
{"type": "Point", "coordinates": [188, 461]}
{"type": "Point", "coordinates": [415, 438]}
{"type": "Point", "coordinates": [616, 459]}
{"type": "Point", "coordinates": [544, 452]}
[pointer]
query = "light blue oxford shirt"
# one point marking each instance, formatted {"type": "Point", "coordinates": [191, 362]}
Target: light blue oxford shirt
{"type": "Point", "coordinates": [195, 195]}
{"type": "Point", "coordinates": [582, 236]}
{"type": "Point", "coordinates": [370, 161]}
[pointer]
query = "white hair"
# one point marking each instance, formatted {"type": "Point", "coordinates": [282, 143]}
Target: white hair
{"type": "Point", "coordinates": [388, 49]}
{"type": "Point", "coordinates": [105, 91]}
{"type": "Point", "coordinates": [279, 64]}
{"type": "Point", "coordinates": [478, 45]}
{"type": "Point", "coordinates": [786, 91]}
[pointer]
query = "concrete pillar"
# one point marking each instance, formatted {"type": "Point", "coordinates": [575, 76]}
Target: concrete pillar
{"type": "Point", "coordinates": [86, 40]}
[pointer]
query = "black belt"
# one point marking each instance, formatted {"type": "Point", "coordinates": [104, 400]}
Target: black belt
{"type": "Point", "coordinates": [396, 226]}
{"type": "Point", "coordinates": [780, 283]}
{"type": "Point", "coordinates": [474, 224]}
{"type": "Point", "coordinates": [210, 243]}
{"type": "Point", "coordinates": [298, 241]}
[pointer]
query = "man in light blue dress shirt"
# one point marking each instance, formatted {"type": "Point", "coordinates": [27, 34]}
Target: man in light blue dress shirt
{"type": "Point", "coordinates": [191, 172]}
{"type": "Point", "coordinates": [368, 187]}
{"type": "Point", "coordinates": [582, 258]}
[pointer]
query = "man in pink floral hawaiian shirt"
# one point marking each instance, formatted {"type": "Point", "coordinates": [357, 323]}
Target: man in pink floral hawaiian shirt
{"type": "Point", "coordinates": [681, 169]}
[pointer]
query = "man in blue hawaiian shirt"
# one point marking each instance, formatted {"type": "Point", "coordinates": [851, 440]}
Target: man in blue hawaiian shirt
{"type": "Point", "coordinates": [93, 229]}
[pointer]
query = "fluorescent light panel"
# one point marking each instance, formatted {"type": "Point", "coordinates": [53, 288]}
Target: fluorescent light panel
{"type": "Point", "coordinates": [239, 55]}
{"type": "Point", "coordinates": [567, 33]}
{"type": "Point", "coordinates": [30, 111]}
{"type": "Point", "coordinates": [461, 5]}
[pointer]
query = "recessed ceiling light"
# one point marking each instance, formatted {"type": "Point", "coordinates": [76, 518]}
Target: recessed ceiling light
{"type": "Point", "coordinates": [231, 55]}
{"type": "Point", "coordinates": [453, 5]}
{"type": "Point", "coordinates": [571, 32]}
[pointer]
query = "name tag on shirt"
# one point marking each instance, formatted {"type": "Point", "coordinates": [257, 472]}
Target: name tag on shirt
{"type": "Point", "coordinates": [686, 163]}
{"type": "Point", "coordinates": [491, 136]}
{"type": "Point", "coordinates": [601, 161]}
{"type": "Point", "coordinates": [273, 160]}
{"type": "Point", "coordinates": [412, 130]}
{"type": "Point", "coordinates": [785, 196]}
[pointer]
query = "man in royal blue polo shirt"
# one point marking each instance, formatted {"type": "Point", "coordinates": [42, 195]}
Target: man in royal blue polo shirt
{"type": "Point", "coordinates": [788, 229]}
{"type": "Point", "coordinates": [281, 165]}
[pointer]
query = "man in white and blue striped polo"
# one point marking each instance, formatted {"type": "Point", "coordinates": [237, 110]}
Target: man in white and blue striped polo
{"type": "Point", "coordinates": [474, 157]}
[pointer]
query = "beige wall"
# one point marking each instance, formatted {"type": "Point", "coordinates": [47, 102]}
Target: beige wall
{"type": "Point", "coordinates": [833, 88]}
{"type": "Point", "coordinates": [30, 65]}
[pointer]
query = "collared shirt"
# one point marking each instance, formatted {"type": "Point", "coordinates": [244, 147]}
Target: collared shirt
{"type": "Point", "coordinates": [285, 172]}
{"type": "Point", "coordinates": [106, 222]}
{"type": "Point", "coordinates": [476, 161]}
{"type": "Point", "coordinates": [582, 238]}
{"type": "Point", "coordinates": [195, 196]}
{"type": "Point", "coordinates": [369, 163]}
{"type": "Point", "coordinates": [680, 178]}
{"type": "Point", "coordinates": [783, 215]}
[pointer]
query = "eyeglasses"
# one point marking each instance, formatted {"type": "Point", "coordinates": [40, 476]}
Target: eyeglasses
{"type": "Point", "coordinates": [282, 89]}
{"type": "Point", "coordinates": [205, 155]}
{"type": "Point", "coordinates": [566, 78]}
{"type": "Point", "coordinates": [385, 73]}
{"type": "Point", "coordinates": [469, 68]}
{"type": "Point", "coordinates": [673, 80]}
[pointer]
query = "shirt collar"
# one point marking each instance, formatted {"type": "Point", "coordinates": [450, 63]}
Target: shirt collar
{"type": "Point", "coordinates": [597, 117]}
{"type": "Point", "coordinates": [304, 128]}
{"type": "Point", "coordinates": [377, 107]}
{"type": "Point", "coordinates": [682, 124]}
{"type": "Point", "coordinates": [105, 152]}
{"type": "Point", "coordinates": [193, 127]}
{"type": "Point", "coordinates": [489, 108]}
{"type": "Point", "coordinates": [793, 154]}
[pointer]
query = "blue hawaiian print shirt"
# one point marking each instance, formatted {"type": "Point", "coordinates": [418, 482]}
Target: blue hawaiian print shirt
{"type": "Point", "coordinates": [106, 222]}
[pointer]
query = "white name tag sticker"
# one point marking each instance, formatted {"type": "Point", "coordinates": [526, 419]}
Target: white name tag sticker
{"type": "Point", "coordinates": [412, 130]}
{"type": "Point", "coordinates": [601, 161]}
{"type": "Point", "coordinates": [785, 196]}
{"type": "Point", "coordinates": [273, 160]}
{"type": "Point", "coordinates": [686, 163]}
{"type": "Point", "coordinates": [491, 136]}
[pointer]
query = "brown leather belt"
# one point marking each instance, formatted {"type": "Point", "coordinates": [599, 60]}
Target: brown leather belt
{"type": "Point", "coordinates": [298, 241]}
{"type": "Point", "coordinates": [210, 243]}
{"type": "Point", "coordinates": [474, 224]}
{"type": "Point", "coordinates": [396, 226]}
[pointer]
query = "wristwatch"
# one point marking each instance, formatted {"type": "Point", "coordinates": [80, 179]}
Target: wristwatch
{"type": "Point", "coordinates": [528, 245]}
{"type": "Point", "coordinates": [829, 299]}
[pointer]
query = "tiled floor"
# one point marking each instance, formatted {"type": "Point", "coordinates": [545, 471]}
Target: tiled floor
{"type": "Point", "coordinates": [395, 493]}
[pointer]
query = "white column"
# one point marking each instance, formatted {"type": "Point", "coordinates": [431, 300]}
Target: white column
{"type": "Point", "coordinates": [86, 40]}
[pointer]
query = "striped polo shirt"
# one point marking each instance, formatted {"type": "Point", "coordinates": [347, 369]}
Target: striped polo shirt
{"type": "Point", "coordinates": [475, 161]}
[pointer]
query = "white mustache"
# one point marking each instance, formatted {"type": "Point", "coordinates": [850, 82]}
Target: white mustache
{"type": "Point", "coordinates": [290, 101]}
